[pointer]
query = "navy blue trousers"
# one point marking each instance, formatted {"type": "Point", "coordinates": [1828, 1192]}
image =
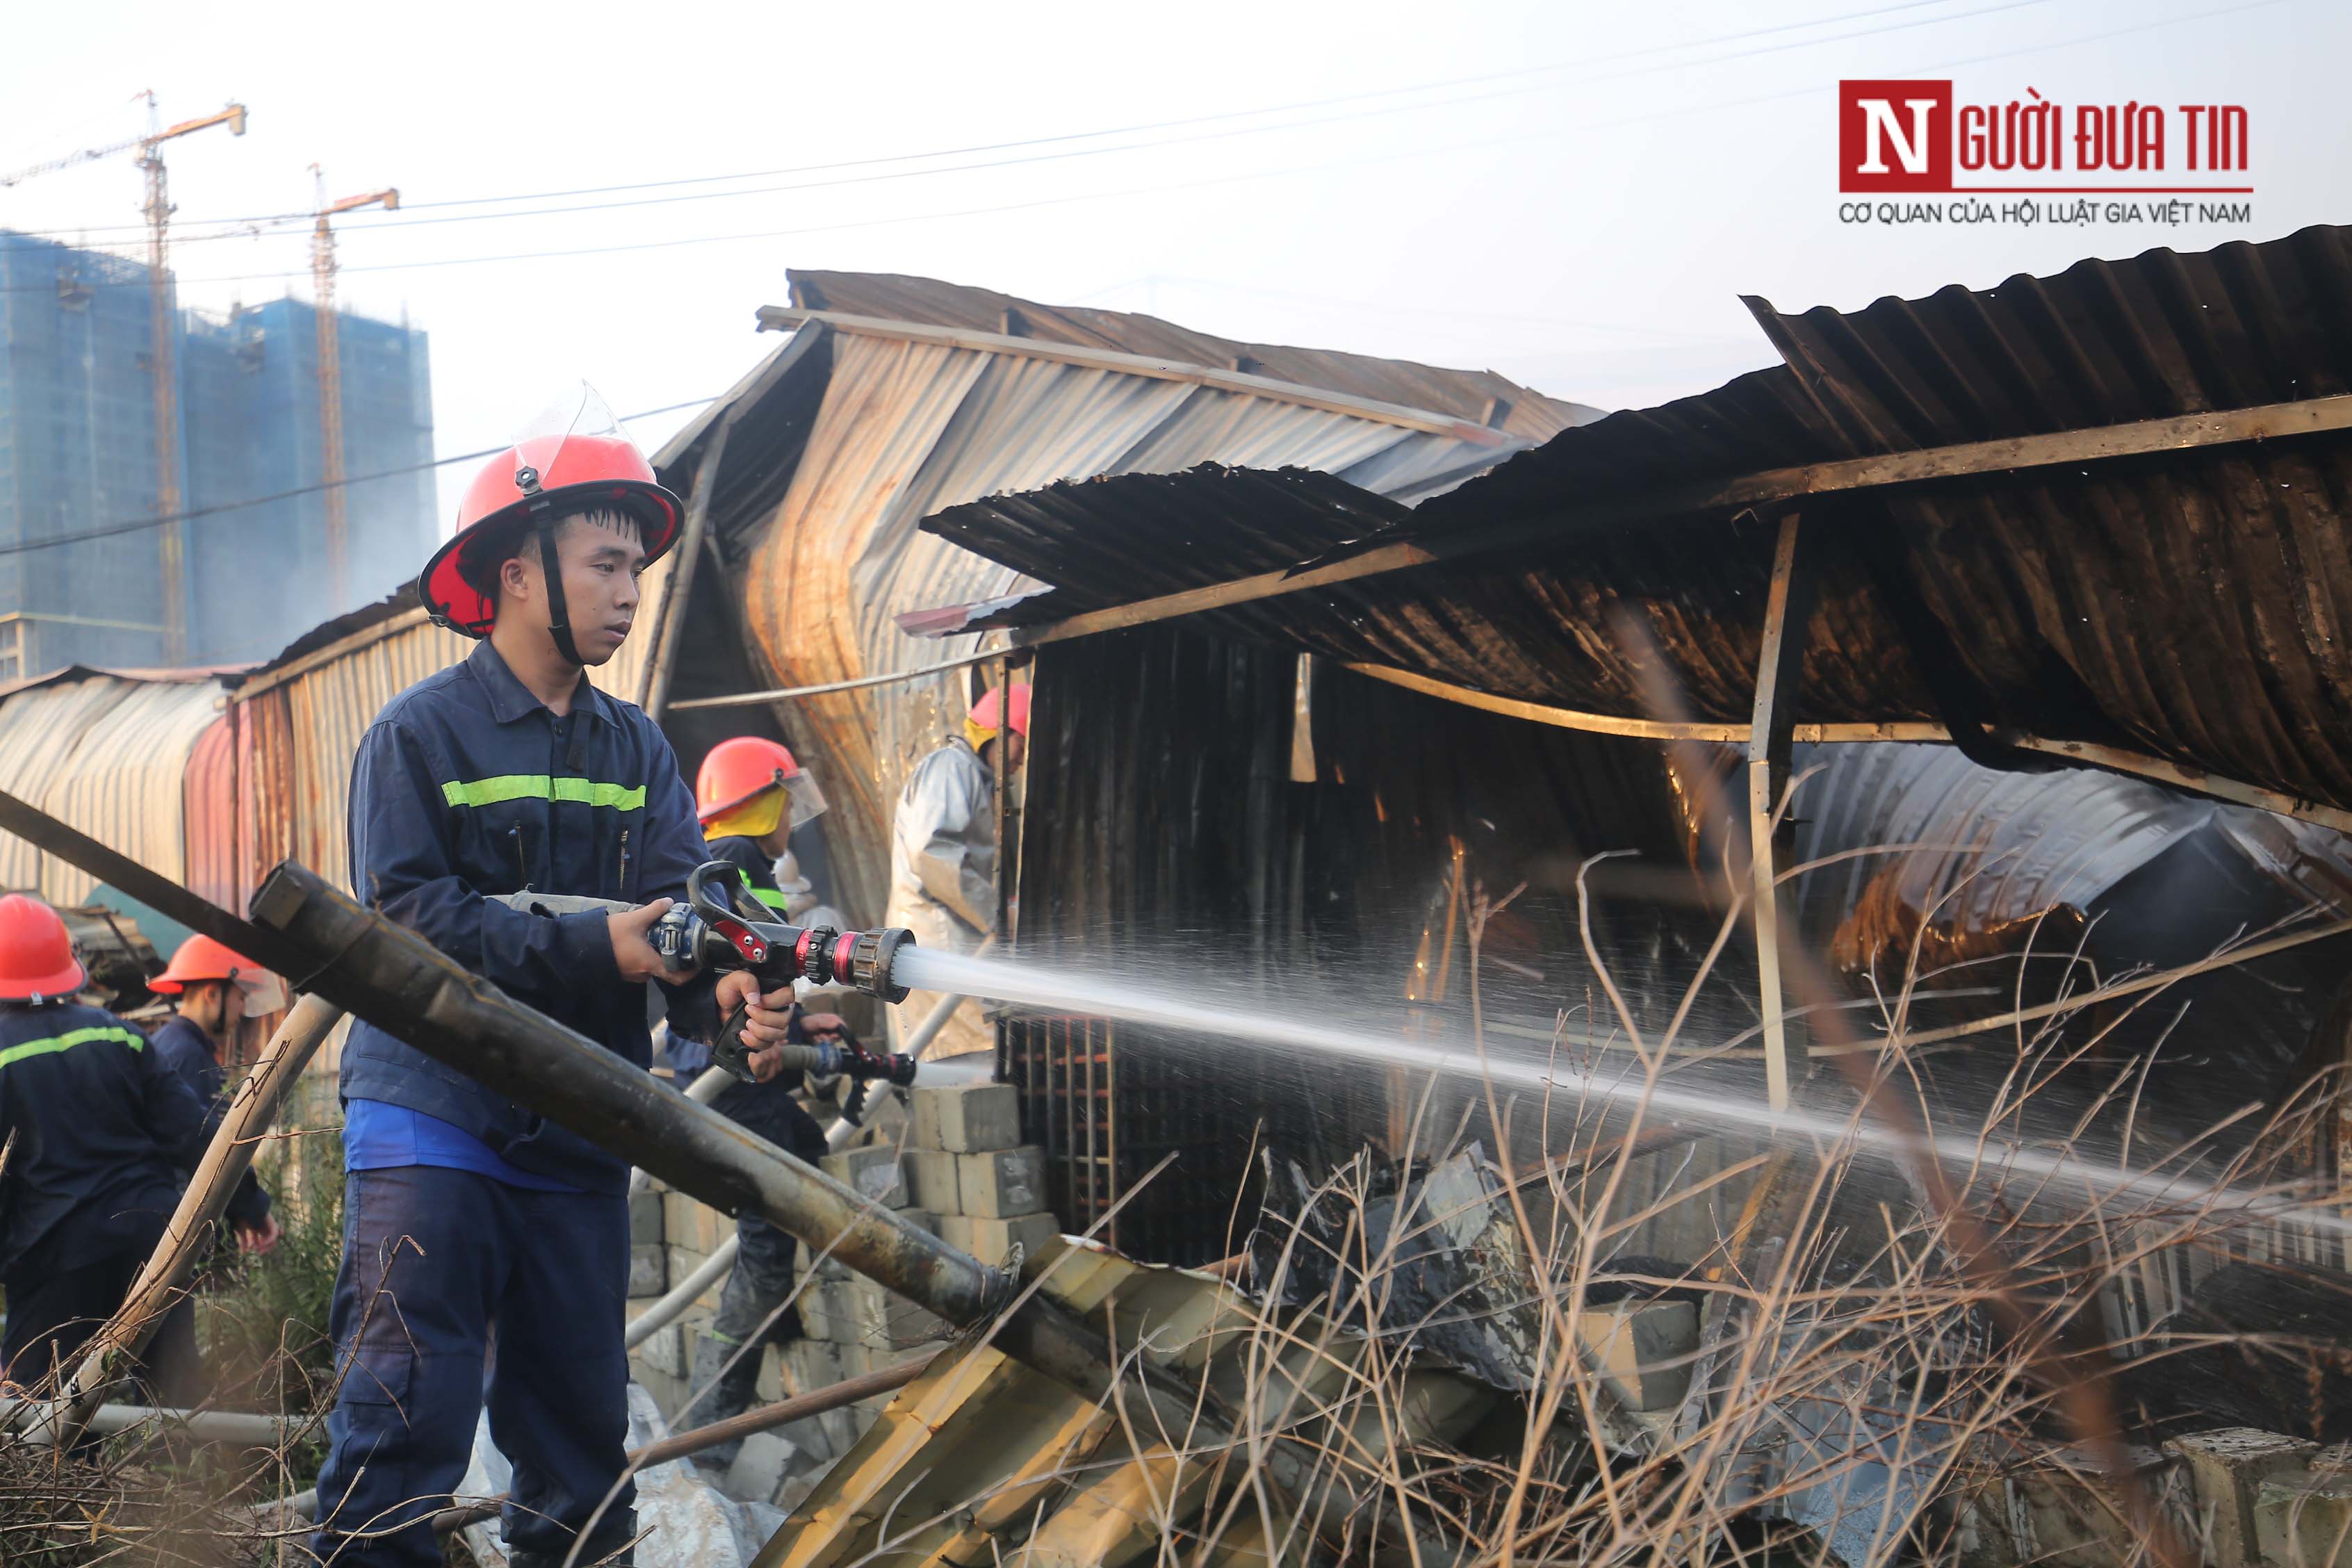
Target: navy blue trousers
{"type": "Point", "coordinates": [444, 1271]}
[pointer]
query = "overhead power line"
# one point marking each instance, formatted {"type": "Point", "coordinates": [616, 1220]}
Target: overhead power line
{"type": "Point", "coordinates": [135, 525]}
{"type": "Point", "coordinates": [240, 227]}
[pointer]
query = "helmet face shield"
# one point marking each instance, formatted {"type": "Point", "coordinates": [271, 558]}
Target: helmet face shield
{"type": "Point", "coordinates": [264, 991]}
{"type": "Point", "coordinates": [571, 415]}
{"type": "Point", "coordinates": [806, 794]}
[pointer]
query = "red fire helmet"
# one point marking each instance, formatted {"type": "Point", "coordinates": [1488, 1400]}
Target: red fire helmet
{"type": "Point", "coordinates": [201, 958]}
{"type": "Point", "coordinates": [574, 458]}
{"type": "Point", "coordinates": [36, 956]}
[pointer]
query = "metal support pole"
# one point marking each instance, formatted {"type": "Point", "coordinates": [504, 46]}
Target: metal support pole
{"type": "Point", "coordinates": [250, 1115]}
{"type": "Point", "coordinates": [661, 660]}
{"type": "Point", "coordinates": [1787, 606]}
{"type": "Point", "coordinates": [688, 1291]}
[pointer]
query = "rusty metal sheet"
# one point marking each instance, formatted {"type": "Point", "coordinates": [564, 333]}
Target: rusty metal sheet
{"type": "Point", "coordinates": [330, 704]}
{"type": "Point", "coordinates": [2188, 605]}
{"type": "Point", "coordinates": [904, 430]}
{"type": "Point", "coordinates": [124, 783]}
{"type": "Point", "coordinates": [1480, 396]}
{"type": "Point", "coordinates": [39, 728]}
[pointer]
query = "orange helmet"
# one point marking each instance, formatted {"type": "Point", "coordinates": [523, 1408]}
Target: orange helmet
{"type": "Point", "coordinates": [201, 958]}
{"type": "Point", "coordinates": [36, 956]}
{"type": "Point", "coordinates": [746, 782]}
{"type": "Point", "coordinates": [574, 458]}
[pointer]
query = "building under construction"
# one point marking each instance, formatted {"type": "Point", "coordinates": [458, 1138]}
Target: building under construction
{"type": "Point", "coordinates": [84, 579]}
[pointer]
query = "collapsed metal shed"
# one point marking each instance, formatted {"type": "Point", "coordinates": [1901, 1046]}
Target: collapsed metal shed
{"type": "Point", "coordinates": [896, 398]}
{"type": "Point", "coordinates": [2095, 518]}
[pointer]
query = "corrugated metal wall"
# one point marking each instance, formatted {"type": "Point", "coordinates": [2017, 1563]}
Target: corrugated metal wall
{"type": "Point", "coordinates": [330, 706]}
{"type": "Point", "coordinates": [906, 429]}
{"type": "Point", "coordinates": [123, 784]}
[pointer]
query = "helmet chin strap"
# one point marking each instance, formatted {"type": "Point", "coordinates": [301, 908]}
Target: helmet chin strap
{"type": "Point", "coordinates": [559, 610]}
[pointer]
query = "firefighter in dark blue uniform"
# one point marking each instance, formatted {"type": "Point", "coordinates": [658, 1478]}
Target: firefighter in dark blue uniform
{"type": "Point", "coordinates": [751, 795]}
{"type": "Point", "coordinates": [472, 1226]}
{"type": "Point", "coordinates": [208, 985]}
{"type": "Point", "coordinates": [101, 1136]}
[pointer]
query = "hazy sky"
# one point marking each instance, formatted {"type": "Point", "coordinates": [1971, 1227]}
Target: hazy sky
{"type": "Point", "coordinates": [1572, 195]}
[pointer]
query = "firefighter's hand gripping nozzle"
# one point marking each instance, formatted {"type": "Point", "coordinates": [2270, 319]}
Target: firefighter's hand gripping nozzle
{"type": "Point", "coordinates": [709, 931]}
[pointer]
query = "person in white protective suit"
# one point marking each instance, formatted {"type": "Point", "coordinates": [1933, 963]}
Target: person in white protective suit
{"type": "Point", "coordinates": [943, 860]}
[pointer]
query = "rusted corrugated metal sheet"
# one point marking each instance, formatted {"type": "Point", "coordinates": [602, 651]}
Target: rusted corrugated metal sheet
{"type": "Point", "coordinates": [330, 699]}
{"type": "Point", "coordinates": [209, 793]}
{"type": "Point", "coordinates": [1480, 396]}
{"type": "Point", "coordinates": [265, 803]}
{"type": "Point", "coordinates": [123, 783]}
{"type": "Point", "coordinates": [2186, 606]}
{"type": "Point", "coordinates": [41, 726]}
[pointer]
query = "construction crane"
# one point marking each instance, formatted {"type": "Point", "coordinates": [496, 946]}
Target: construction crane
{"type": "Point", "coordinates": [330, 377]}
{"type": "Point", "coordinates": [167, 395]}
{"type": "Point", "coordinates": [173, 545]}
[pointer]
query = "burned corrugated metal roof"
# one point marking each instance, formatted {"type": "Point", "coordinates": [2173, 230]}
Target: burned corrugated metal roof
{"type": "Point", "coordinates": [862, 424]}
{"type": "Point", "coordinates": [1480, 396]}
{"type": "Point", "coordinates": [2185, 604]}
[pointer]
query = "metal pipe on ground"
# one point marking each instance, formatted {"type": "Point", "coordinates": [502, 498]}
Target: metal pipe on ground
{"type": "Point", "coordinates": [660, 1315]}
{"type": "Point", "coordinates": [189, 1235]}
{"type": "Point", "coordinates": [305, 1505]}
{"type": "Point", "coordinates": [248, 1428]}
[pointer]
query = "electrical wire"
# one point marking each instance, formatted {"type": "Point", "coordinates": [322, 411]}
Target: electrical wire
{"type": "Point", "coordinates": [238, 226]}
{"type": "Point", "coordinates": [995, 209]}
{"type": "Point", "coordinates": [135, 525]}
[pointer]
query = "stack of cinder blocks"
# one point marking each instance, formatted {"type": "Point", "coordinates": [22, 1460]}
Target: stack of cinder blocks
{"type": "Point", "coordinates": [966, 1165]}
{"type": "Point", "coordinates": [961, 1173]}
{"type": "Point", "coordinates": [2240, 1497]}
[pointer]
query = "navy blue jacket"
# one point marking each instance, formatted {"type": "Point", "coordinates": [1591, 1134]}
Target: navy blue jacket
{"type": "Point", "coordinates": [188, 1052]}
{"type": "Point", "coordinates": [105, 1135]}
{"type": "Point", "coordinates": [467, 787]}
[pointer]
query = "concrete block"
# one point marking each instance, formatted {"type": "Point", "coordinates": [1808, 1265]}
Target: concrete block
{"type": "Point", "coordinates": [645, 1218]}
{"type": "Point", "coordinates": [843, 1427]}
{"type": "Point", "coordinates": [993, 1239]}
{"type": "Point", "coordinates": [769, 1388]}
{"type": "Point", "coordinates": [1643, 1348]}
{"type": "Point", "coordinates": [649, 1268]}
{"type": "Point", "coordinates": [813, 1364]}
{"type": "Point", "coordinates": [685, 1223]}
{"type": "Point", "coordinates": [812, 1437]}
{"type": "Point", "coordinates": [871, 1173]}
{"type": "Point", "coordinates": [966, 1118]}
{"type": "Point", "coordinates": [666, 1349]}
{"type": "Point", "coordinates": [2056, 1525]}
{"type": "Point", "coordinates": [762, 1466]}
{"type": "Point", "coordinates": [931, 1179]}
{"type": "Point", "coordinates": [955, 1229]}
{"type": "Point", "coordinates": [884, 1320]}
{"type": "Point", "coordinates": [2221, 1471]}
{"type": "Point", "coordinates": [796, 1491]}
{"type": "Point", "coordinates": [825, 1310]}
{"type": "Point", "coordinates": [1002, 1184]}
{"type": "Point", "coordinates": [2306, 1520]}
